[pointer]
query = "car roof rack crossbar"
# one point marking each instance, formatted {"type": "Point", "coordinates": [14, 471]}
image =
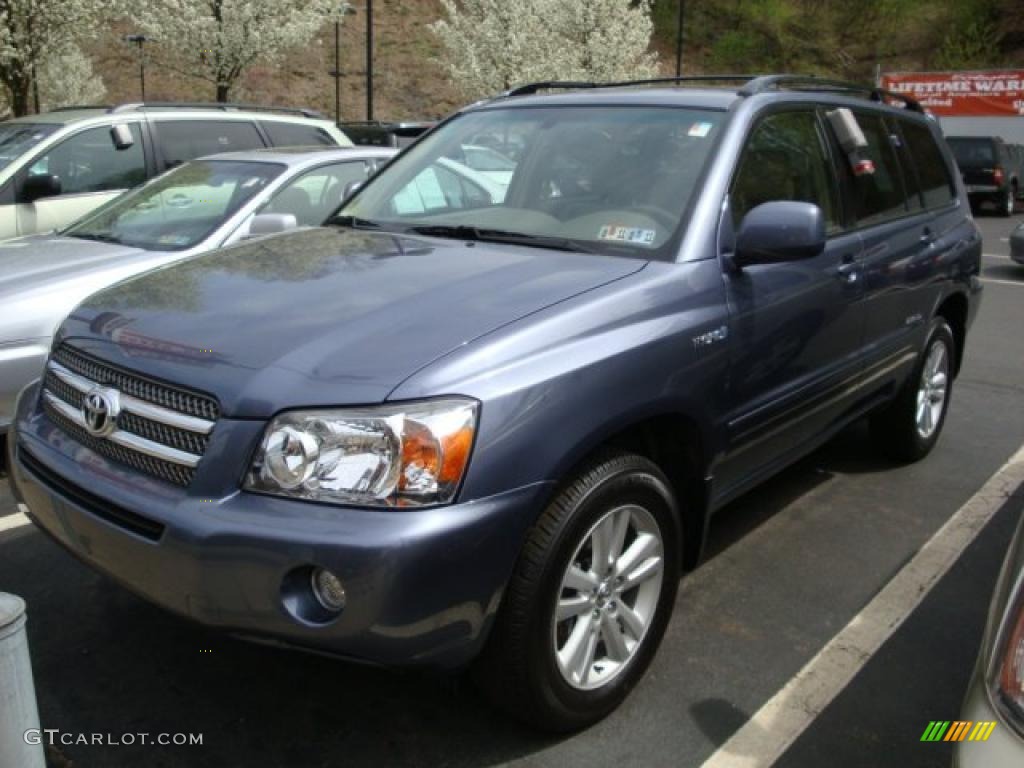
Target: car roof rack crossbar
{"type": "Point", "coordinates": [811, 83]}
{"type": "Point", "coordinates": [219, 105]}
{"type": "Point", "coordinates": [549, 85]}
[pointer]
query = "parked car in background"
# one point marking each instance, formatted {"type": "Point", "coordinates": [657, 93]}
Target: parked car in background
{"type": "Point", "coordinates": [377, 133]}
{"type": "Point", "coordinates": [1017, 244]}
{"type": "Point", "coordinates": [996, 692]}
{"type": "Point", "coordinates": [58, 166]}
{"type": "Point", "coordinates": [195, 207]}
{"type": "Point", "coordinates": [463, 430]}
{"type": "Point", "coordinates": [991, 171]}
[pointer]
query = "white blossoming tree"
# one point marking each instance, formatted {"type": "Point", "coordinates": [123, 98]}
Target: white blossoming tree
{"type": "Point", "coordinates": [491, 45]}
{"type": "Point", "coordinates": [217, 40]}
{"type": "Point", "coordinates": [35, 31]}
{"type": "Point", "coordinates": [68, 78]}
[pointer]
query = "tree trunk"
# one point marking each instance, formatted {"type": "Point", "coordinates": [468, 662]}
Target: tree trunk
{"type": "Point", "coordinates": [222, 92]}
{"type": "Point", "coordinates": [19, 91]}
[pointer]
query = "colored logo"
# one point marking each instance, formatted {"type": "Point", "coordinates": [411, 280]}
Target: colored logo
{"type": "Point", "coordinates": [958, 730]}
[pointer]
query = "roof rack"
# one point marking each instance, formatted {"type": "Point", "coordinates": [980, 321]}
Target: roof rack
{"type": "Point", "coordinates": [812, 83]}
{"type": "Point", "coordinates": [752, 84]}
{"type": "Point", "coordinates": [549, 85]}
{"type": "Point", "coordinates": [73, 107]}
{"type": "Point", "coordinates": [133, 106]}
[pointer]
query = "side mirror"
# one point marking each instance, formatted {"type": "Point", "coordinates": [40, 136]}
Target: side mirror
{"type": "Point", "coordinates": [40, 185]}
{"type": "Point", "coordinates": [780, 231]}
{"type": "Point", "coordinates": [122, 137]}
{"type": "Point", "coordinates": [271, 224]}
{"type": "Point", "coordinates": [350, 189]}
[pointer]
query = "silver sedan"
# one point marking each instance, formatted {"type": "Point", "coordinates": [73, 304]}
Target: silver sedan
{"type": "Point", "coordinates": [196, 207]}
{"type": "Point", "coordinates": [996, 694]}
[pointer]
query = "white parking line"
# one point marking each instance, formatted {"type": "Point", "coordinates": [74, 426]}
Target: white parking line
{"type": "Point", "coordinates": [996, 256]}
{"type": "Point", "coordinates": [767, 735]}
{"type": "Point", "coordinates": [18, 519]}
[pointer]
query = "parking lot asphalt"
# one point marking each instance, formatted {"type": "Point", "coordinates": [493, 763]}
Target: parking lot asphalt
{"type": "Point", "coordinates": [788, 566]}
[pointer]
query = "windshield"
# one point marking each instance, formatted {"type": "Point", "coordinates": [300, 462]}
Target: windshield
{"type": "Point", "coordinates": [599, 179]}
{"type": "Point", "coordinates": [17, 138]}
{"type": "Point", "coordinates": [181, 208]}
{"type": "Point", "coordinates": [973, 153]}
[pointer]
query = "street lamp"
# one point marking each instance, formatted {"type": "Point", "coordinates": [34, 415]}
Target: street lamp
{"type": "Point", "coordinates": [679, 38]}
{"type": "Point", "coordinates": [140, 40]}
{"type": "Point", "coordinates": [345, 10]}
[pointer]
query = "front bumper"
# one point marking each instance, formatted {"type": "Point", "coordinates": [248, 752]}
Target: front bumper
{"type": "Point", "coordinates": [423, 585]}
{"type": "Point", "coordinates": [1017, 248]}
{"type": "Point", "coordinates": [1003, 749]}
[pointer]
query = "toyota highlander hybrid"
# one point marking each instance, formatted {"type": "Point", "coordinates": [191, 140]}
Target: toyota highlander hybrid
{"type": "Point", "coordinates": [458, 428]}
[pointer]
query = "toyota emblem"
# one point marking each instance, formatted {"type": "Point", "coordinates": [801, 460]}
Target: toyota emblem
{"type": "Point", "coordinates": [99, 411]}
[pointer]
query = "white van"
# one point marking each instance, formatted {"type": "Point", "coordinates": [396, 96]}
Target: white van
{"type": "Point", "coordinates": [58, 166]}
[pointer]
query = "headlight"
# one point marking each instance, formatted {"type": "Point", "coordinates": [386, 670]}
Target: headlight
{"type": "Point", "coordinates": [390, 456]}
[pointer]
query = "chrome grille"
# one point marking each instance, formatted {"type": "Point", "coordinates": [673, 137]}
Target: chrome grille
{"type": "Point", "coordinates": [157, 429]}
{"type": "Point", "coordinates": [191, 404]}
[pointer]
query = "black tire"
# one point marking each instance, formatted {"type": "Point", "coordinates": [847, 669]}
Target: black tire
{"type": "Point", "coordinates": [1007, 204]}
{"type": "Point", "coordinates": [518, 669]}
{"type": "Point", "coordinates": [895, 428]}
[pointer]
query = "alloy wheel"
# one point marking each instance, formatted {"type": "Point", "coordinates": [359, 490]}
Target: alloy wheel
{"type": "Point", "coordinates": [931, 391]}
{"type": "Point", "coordinates": [608, 597]}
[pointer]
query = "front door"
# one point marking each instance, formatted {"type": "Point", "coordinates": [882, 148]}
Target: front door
{"type": "Point", "coordinates": [91, 172]}
{"type": "Point", "coordinates": [796, 328]}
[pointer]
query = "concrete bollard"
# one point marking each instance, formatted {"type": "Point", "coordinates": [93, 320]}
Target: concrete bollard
{"type": "Point", "coordinates": [18, 712]}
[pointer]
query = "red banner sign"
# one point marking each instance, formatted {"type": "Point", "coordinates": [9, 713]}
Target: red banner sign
{"type": "Point", "coordinates": [963, 94]}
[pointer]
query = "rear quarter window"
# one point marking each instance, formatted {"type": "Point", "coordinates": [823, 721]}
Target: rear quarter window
{"type": "Point", "coordinates": [932, 171]}
{"type": "Point", "coordinates": [183, 140]}
{"type": "Point", "coordinates": [295, 135]}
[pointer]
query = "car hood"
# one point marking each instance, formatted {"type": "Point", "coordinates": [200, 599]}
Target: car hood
{"type": "Point", "coordinates": [323, 316]}
{"type": "Point", "coordinates": [28, 262]}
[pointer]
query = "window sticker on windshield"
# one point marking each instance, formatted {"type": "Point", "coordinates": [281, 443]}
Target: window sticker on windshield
{"type": "Point", "coordinates": [700, 130]}
{"type": "Point", "coordinates": [626, 234]}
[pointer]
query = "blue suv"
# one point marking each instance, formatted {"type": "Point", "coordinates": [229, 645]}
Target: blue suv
{"type": "Point", "coordinates": [483, 415]}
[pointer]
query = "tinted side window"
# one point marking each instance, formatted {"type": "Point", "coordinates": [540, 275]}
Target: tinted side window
{"type": "Point", "coordinates": [312, 197]}
{"type": "Point", "coordinates": [936, 186]}
{"type": "Point", "coordinates": [295, 135]}
{"type": "Point", "coordinates": [88, 161]}
{"type": "Point", "coordinates": [785, 159]}
{"type": "Point", "coordinates": [182, 140]}
{"type": "Point", "coordinates": [878, 195]}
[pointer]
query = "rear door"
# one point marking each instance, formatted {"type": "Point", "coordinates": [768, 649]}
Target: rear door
{"type": "Point", "coordinates": [895, 208]}
{"type": "Point", "coordinates": [796, 328]}
{"type": "Point", "coordinates": [178, 141]}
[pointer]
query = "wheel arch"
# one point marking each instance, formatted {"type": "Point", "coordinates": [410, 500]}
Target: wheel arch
{"type": "Point", "coordinates": [676, 442]}
{"type": "Point", "coordinates": [954, 310]}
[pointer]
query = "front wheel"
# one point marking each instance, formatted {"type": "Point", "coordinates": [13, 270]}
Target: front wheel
{"type": "Point", "coordinates": [590, 598]}
{"type": "Point", "coordinates": [909, 428]}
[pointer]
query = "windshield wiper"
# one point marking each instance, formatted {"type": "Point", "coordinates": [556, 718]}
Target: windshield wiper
{"type": "Point", "coordinates": [463, 232]}
{"type": "Point", "coordinates": [355, 222]}
{"type": "Point", "coordinates": [101, 237]}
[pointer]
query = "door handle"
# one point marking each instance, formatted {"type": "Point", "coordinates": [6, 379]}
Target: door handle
{"type": "Point", "coordinates": [848, 269]}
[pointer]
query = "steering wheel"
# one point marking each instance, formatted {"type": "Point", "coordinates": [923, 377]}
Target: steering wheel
{"type": "Point", "coordinates": [664, 218]}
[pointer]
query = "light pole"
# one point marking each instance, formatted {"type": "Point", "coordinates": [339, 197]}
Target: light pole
{"type": "Point", "coordinates": [140, 40]}
{"type": "Point", "coordinates": [679, 38]}
{"type": "Point", "coordinates": [345, 10]}
{"type": "Point", "coordinates": [369, 59]}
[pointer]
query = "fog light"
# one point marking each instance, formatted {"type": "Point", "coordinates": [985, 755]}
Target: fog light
{"type": "Point", "coordinates": [328, 590]}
